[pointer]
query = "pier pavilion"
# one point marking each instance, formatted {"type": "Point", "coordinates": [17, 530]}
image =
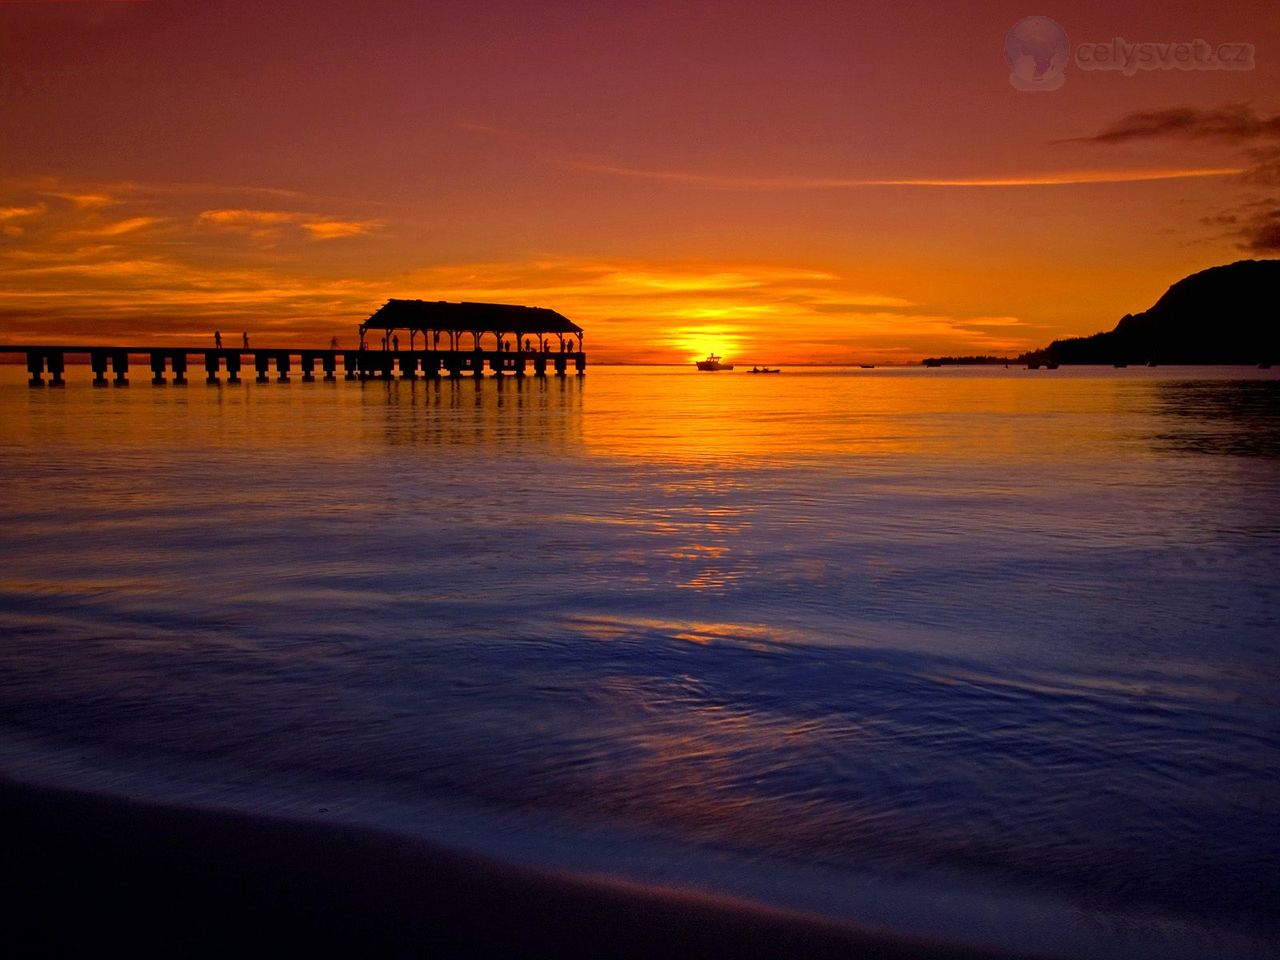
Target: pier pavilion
{"type": "Point", "coordinates": [519, 335]}
{"type": "Point", "coordinates": [529, 326]}
{"type": "Point", "coordinates": [456, 339]}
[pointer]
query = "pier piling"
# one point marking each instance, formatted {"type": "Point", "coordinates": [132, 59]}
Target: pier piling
{"type": "Point", "coordinates": [35, 367]}
{"type": "Point", "coordinates": [98, 363]}
{"type": "Point", "coordinates": [39, 361]}
{"type": "Point", "coordinates": [54, 363]}
{"type": "Point", "coordinates": [46, 364]}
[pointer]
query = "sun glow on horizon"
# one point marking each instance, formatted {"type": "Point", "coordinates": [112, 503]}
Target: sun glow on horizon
{"type": "Point", "coordinates": [697, 343]}
{"type": "Point", "coordinates": [153, 263]}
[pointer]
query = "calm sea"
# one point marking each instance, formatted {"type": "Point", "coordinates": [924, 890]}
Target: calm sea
{"type": "Point", "coordinates": [981, 653]}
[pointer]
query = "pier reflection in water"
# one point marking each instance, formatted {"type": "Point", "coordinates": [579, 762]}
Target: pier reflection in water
{"type": "Point", "coordinates": [521, 415]}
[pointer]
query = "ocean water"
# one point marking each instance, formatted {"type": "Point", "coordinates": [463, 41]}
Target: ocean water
{"type": "Point", "coordinates": [983, 654]}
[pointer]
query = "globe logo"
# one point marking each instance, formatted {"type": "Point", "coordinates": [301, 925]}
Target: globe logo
{"type": "Point", "coordinates": [1037, 51]}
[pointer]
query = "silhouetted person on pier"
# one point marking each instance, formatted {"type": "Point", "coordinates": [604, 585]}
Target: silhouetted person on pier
{"type": "Point", "coordinates": [506, 346]}
{"type": "Point", "coordinates": [571, 344]}
{"type": "Point", "coordinates": [217, 339]}
{"type": "Point", "coordinates": [384, 344]}
{"type": "Point", "coordinates": [395, 343]}
{"type": "Point", "coordinates": [526, 345]}
{"type": "Point", "coordinates": [245, 336]}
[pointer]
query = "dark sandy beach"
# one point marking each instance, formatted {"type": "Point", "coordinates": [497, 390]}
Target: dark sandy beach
{"type": "Point", "coordinates": [86, 873]}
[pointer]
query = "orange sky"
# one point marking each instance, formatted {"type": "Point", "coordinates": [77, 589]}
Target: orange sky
{"type": "Point", "coordinates": [779, 182]}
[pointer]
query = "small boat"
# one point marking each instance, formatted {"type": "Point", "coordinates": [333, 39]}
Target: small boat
{"type": "Point", "coordinates": [764, 370]}
{"type": "Point", "coordinates": [867, 366]}
{"type": "Point", "coordinates": [713, 363]}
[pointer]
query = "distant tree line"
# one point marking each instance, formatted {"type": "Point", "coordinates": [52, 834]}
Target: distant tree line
{"type": "Point", "coordinates": [966, 361]}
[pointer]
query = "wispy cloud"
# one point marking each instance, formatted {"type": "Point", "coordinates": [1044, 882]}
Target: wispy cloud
{"type": "Point", "coordinates": [13, 213]}
{"type": "Point", "coordinates": [333, 229]}
{"type": "Point", "coordinates": [269, 225]}
{"type": "Point", "coordinates": [121, 227]}
{"type": "Point", "coordinates": [10, 215]}
{"type": "Point", "coordinates": [157, 259]}
{"type": "Point", "coordinates": [251, 219]}
{"type": "Point", "coordinates": [1045, 179]}
{"type": "Point", "coordinates": [723, 180]}
{"type": "Point", "coordinates": [84, 199]}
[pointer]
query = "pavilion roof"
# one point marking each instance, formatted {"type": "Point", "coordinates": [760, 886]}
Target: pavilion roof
{"type": "Point", "coordinates": [441, 315]}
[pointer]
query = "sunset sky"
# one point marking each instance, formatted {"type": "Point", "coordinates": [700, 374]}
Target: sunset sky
{"type": "Point", "coordinates": [795, 181]}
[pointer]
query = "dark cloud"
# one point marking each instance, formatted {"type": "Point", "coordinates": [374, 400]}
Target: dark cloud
{"type": "Point", "coordinates": [1253, 222]}
{"type": "Point", "coordinates": [1229, 124]}
{"type": "Point", "coordinates": [1262, 235]}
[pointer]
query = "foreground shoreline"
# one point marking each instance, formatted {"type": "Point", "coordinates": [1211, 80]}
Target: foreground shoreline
{"type": "Point", "coordinates": [83, 871]}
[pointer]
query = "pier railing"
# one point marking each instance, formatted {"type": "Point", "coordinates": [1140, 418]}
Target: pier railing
{"type": "Point", "coordinates": [172, 362]}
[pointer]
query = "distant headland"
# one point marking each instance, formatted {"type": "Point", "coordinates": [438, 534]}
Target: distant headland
{"type": "Point", "coordinates": [1222, 315]}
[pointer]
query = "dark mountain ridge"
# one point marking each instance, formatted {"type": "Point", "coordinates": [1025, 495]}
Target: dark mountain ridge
{"type": "Point", "coordinates": [1227, 314]}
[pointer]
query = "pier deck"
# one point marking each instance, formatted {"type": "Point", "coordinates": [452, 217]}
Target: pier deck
{"type": "Point", "coordinates": [168, 361]}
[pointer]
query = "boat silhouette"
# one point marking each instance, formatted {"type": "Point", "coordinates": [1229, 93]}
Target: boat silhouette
{"type": "Point", "coordinates": [713, 363]}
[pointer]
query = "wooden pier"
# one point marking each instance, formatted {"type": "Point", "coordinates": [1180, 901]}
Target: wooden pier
{"type": "Point", "coordinates": [543, 340]}
{"type": "Point", "coordinates": [110, 365]}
